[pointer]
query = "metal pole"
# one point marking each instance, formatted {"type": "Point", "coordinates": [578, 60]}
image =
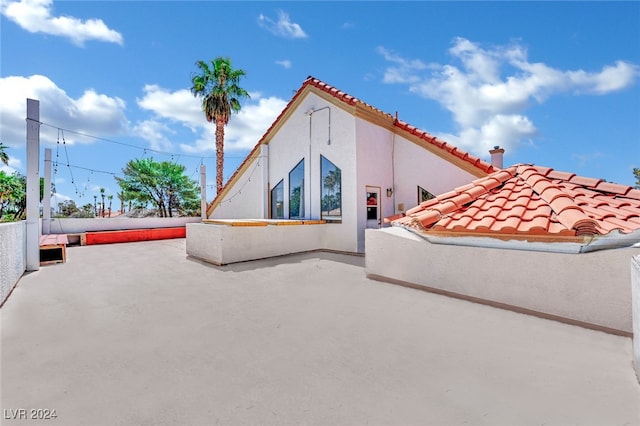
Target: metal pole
{"type": "Point", "coordinates": [33, 185]}
{"type": "Point", "coordinates": [203, 191]}
{"type": "Point", "coordinates": [46, 196]}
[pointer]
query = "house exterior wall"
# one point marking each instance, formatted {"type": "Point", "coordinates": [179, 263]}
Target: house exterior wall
{"type": "Point", "coordinates": [248, 197]}
{"type": "Point", "coordinates": [590, 288]}
{"type": "Point", "coordinates": [416, 166]}
{"type": "Point", "coordinates": [635, 298]}
{"type": "Point", "coordinates": [387, 160]}
{"type": "Point", "coordinates": [374, 168]}
{"type": "Point", "coordinates": [13, 256]}
{"type": "Point", "coordinates": [367, 154]}
{"type": "Point", "coordinates": [304, 137]}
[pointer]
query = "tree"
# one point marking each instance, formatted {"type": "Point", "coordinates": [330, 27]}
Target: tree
{"type": "Point", "coordinates": [636, 174]}
{"type": "Point", "coordinates": [121, 198]}
{"type": "Point", "coordinates": [68, 208]}
{"type": "Point", "coordinates": [102, 195]}
{"type": "Point", "coordinates": [4, 157]}
{"type": "Point", "coordinates": [110, 197]}
{"type": "Point", "coordinates": [331, 181]}
{"type": "Point", "coordinates": [217, 83]}
{"type": "Point", "coordinates": [12, 193]}
{"type": "Point", "coordinates": [162, 183]}
{"type": "Point", "coordinates": [87, 210]}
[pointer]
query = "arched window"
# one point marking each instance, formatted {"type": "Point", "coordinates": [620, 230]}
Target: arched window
{"type": "Point", "coordinates": [277, 201]}
{"type": "Point", "coordinates": [331, 184]}
{"type": "Point", "coordinates": [296, 191]}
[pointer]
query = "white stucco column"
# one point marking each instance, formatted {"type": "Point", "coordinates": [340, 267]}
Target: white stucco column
{"type": "Point", "coordinates": [264, 175]}
{"type": "Point", "coordinates": [46, 195]}
{"type": "Point", "coordinates": [33, 185]}
{"type": "Point", "coordinates": [635, 302]}
{"type": "Point", "coordinates": [203, 191]}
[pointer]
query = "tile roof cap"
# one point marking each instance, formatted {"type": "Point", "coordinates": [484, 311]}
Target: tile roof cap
{"type": "Point", "coordinates": [543, 200]}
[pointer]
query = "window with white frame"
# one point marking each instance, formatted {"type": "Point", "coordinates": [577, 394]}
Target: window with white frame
{"type": "Point", "coordinates": [277, 201]}
{"type": "Point", "coordinates": [331, 184]}
{"type": "Point", "coordinates": [296, 191]}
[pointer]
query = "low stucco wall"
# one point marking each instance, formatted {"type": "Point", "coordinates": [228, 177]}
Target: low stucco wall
{"type": "Point", "coordinates": [591, 288]}
{"type": "Point", "coordinates": [78, 226]}
{"type": "Point", "coordinates": [635, 297]}
{"type": "Point", "coordinates": [224, 244]}
{"type": "Point", "coordinates": [13, 256]}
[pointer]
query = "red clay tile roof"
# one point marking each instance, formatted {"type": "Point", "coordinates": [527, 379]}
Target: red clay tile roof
{"type": "Point", "coordinates": [529, 200]}
{"type": "Point", "coordinates": [401, 125]}
{"type": "Point", "coordinates": [482, 166]}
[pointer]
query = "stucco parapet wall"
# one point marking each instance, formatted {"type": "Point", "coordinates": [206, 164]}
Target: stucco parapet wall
{"type": "Point", "coordinates": [12, 256]}
{"type": "Point", "coordinates": [77, 226]}
{"type": "Point", "coordinates": [262, 222]}
{"type": "Point", "coordinates": [222, 242]}
{"type": "Point", "coordinates": [589, 289]}
{"type": "Point", "coordinates": [635, 297]}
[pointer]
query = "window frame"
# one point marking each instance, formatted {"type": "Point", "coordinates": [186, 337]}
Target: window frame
{"type": "Point", "coordinates": [275, 200]}
{"type": "Point", "coordinates": [421, 190]}
{"type": "Point", "coordinates": [301, 207]}
{"type": "Point", "coordinates": [330, 218]}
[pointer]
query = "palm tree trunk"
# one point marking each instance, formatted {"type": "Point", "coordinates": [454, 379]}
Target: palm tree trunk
{"type": "Point", "coordinates": [219, 154]}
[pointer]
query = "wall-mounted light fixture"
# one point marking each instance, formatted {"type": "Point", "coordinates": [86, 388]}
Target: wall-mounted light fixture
{"type": "Point", "coordinates": [389, 192]}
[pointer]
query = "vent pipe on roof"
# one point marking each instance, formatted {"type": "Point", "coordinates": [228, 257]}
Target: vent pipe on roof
{"type": "Point", "coordinates": [496, 156]}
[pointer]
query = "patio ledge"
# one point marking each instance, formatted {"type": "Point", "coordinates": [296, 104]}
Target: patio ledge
{"type": "Point", "coordinates": [225, 241]}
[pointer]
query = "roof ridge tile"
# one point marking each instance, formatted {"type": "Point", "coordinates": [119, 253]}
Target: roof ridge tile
{"type": "Point", "coordinates": [563, 205]}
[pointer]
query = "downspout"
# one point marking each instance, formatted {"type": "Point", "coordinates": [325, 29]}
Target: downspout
{"type": "Point", "coordinates": [310, 114]}
{"type": "Point", "coordinates": [393, 165]}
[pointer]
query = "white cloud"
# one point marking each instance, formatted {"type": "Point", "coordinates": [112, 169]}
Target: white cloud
{"type": "Point", "coordinates": [404, 71]}
{"type": "Point", "coordinates": [285, 63]}
{"type": "Point", "coordinates": [489, 108]}
{"type": "Point", "coordinates": [35, 16]}
{"type": "Point", "coordinates": [57, 198]}
{"type": "Point", "coordinates": [92, 113]}
{"type": "Point", "coordinates": [283, 27]}
{"type": "Point", "coordinates": [584, 159]}
{"type": "Point", "coordinates": [156, 133]}
{"type": "Point", "coordinates": [14, 164]}
{"type": "Point", "coordinates": [610, 79]}
{"type": "Point", "coordinates": [243, 131]}
{"type": "Point", "coordinates": [180, 105]}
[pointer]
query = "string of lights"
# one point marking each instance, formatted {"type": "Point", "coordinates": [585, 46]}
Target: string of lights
{"type": "Point", "coordinates": [61, 136]}
{"type": "Point", "coordinates": [146, 150]}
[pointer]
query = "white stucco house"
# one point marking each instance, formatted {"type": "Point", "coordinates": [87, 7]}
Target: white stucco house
{"type": "Point", "coordinates": [331, 157]}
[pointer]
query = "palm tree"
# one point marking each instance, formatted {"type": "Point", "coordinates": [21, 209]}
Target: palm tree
{"type": "Point", "coordinates": [4, 157]}
{"type": "Point", "coordinates": [95, 205]}
{"type": "Point", "coordinates": [217, 85]}
{"type": "Point", "coordinates": [102, 195]}
{"type": "Point", "coordinates": [110, 197]}
{"type": "Point", "coordinates": [121, 198]}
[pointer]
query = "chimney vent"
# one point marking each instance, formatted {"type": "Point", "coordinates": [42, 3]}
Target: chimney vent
{"type": "Point", "coordinates": [496, 156]}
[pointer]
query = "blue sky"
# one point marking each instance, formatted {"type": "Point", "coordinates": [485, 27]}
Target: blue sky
{"type": "Point", "coordinates": [554, 83]}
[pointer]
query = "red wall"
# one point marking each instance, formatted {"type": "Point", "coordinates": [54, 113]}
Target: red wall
{"type": "Point", "coordinates": [131, 235]}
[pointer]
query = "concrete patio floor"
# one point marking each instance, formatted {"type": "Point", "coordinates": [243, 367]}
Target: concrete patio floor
{"type": "Point", "coordinates": [137, 333]}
